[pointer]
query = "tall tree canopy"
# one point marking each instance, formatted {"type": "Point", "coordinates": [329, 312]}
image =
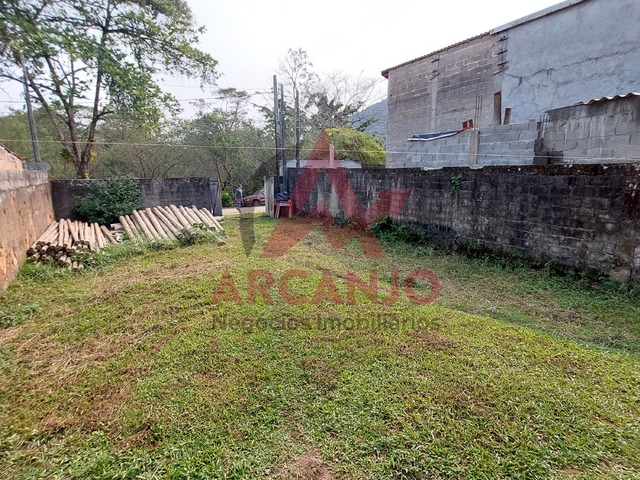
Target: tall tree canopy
{"type": "Point", "coordinates": [87, 60]}
{"type": "Point", "coordinates": [327, 101]}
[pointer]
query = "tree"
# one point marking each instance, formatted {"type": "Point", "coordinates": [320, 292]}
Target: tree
{"type": "Point", "coordinates": [14, 133]}
{"type": "Point", "coordinates": [296, 73]}
{"type": "Point", "coordinates": [337, 99]}
{"type": "Point", "coordinates": [87, 60]}
{"type": "Point", "coordinates": [235, 147]}
{"type": "Point", "coordinates": [326, 100]}
{"type": "Point", "coordinates": [352, 144]}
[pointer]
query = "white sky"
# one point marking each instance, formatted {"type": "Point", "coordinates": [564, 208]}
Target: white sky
{"type": "Point", "coordinates": [249, 37]}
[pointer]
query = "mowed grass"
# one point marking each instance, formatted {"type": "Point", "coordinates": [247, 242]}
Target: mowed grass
{"type": "Point", "coordinates": [131, 371]}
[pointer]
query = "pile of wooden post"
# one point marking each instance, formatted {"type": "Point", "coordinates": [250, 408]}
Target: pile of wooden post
{"type": "Point", "coordinates": [167, 223]}
{"type": "Point", "coordinates": [67, 241]}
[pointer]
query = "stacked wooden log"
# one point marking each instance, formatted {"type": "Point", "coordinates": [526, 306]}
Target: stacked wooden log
{"type": "Point", "coordinates": [69, 243]}
{"type": "Point", "coordinates": [172, 222]}
{"type": "Point", "coordinates": [66, 243]}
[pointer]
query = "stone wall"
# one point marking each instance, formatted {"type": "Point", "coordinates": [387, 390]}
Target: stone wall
{"type": "Point", "coordinates": [25, 213]}
{"type": "Point", "coordinates": [579, 215]}
{"type": "Point", "coordinates": [606, 131]}
{"type": "Point", "coordinates": [203, 192]}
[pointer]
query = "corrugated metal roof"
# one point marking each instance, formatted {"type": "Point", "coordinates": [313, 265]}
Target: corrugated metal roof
{"type": "Point", "coordinates": [604, 99]}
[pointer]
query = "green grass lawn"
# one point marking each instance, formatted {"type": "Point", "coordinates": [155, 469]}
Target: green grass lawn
{"type": "Point", "coordinates": [130, 371]}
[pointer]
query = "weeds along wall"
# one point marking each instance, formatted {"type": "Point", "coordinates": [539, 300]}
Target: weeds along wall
{"type": "Point", "coordinates": [25, 213]}
{"type": "Point", "coordinates": [203, 192]}
{"type": "Point", "coordinates": [581, 216]}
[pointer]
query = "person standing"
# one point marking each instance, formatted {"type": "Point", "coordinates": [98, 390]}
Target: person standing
{"type": "Point", "coordinates": [239, 196]}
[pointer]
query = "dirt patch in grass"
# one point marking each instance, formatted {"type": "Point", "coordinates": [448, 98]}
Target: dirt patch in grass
{"type": "Point", "coordinates": [320, 372]}
{"type": "Point", "coordinates": [570, 472]}
{"type": "Point", "coordinates": [419, 340]}
{"type": "Point", "coordinates": [307, 466]}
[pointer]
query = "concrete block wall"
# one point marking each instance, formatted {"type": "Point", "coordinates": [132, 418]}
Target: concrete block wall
{"type": "Point", "coordinates": [585, 51]}
{"type": "Point", "coordinates": [203, 192]}
{"type": "Point", "coordinates": [444, 152]}
{"type": "Point", "coordinates": [507, 144]}
{"type": "Point", "coordinates": [495, 145]}
{"type": "Point", "coordinates": [440, 91]}
{"type": "Point", "coordinates": [607, 131]}
{"type": "Point", "coordinates": [25, 213]}
{"type": "Point", "coordinates": [579, 215]}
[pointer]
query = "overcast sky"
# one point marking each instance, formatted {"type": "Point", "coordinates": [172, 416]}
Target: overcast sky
{"type": "Point", "coordinates": [249, 37]}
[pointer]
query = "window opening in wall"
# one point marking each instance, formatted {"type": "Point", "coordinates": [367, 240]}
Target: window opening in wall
{"type": "Point", "coordinates": [497, 108]}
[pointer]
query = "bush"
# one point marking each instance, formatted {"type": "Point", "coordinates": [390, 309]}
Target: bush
{"type": "Point", "coordinates": [227, 200]}
{"type": "Point", "coordinates": [351, 144]}
{"type": "Point", "coordinates": [106, 200]}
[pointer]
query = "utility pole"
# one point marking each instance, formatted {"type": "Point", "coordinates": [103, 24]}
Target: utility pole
{"type": "Point", "coordinates": [32, 122]}
{"type": "Point", "coordinates": [297, 130]}
{"type": "Point", "coordinates": [283, 137]}
{"type": "Point", "coordinates": [275, 123]}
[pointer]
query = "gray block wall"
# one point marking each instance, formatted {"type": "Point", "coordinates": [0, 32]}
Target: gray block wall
{"type": "Point", "coordinates": [586, 51]}
{"type": "Point", "coordinates": [445, 152]}
{"type": "Point", "coordinates": [540, 63]}
{"type": "Point", "coordinates": [602, 132]}
{"type": "Point", "coordinates": [496, 145]}
{"type": "Point", "coordinates": [579, 215]}
{"type": "Point", "coordinates": [439, 92]}
{"type": "Point", "coordinates": [507, 144]}
{"type": "Point", "coordinates": [203, 192]}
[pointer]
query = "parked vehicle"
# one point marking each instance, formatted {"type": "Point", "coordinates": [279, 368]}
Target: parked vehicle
{"type": "Point", "coordinates": [255, 200]}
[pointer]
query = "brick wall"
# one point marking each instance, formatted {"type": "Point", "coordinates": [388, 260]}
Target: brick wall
{"type": "Point", "coordinates": [25, 213]}
{"type": "Point", "coordinates": [601, 132]}
{"type": "Point", "coordinates": [580, 215]}
{"type": "Point", "coordinates": [203, 192]}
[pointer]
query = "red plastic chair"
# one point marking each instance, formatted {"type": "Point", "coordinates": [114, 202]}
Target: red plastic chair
{"type": "Point", "coordinates": [278, 205]}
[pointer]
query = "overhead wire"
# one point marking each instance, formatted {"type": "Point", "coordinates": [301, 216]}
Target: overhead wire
{"type": "Point", "coordinates": [270, 149]}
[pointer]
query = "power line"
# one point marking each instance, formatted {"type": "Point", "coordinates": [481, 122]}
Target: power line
{"type": "Point", "coordinates": [88, 102]}
{"type": "Point", "coordinates": [270, 149]}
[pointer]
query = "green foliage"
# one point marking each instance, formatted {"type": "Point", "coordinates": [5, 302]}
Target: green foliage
{"type": "Point", "coordinates": [456, 184]}
{"type": "Point", "coordinates": [227, 200]}
{"type": "Point", "coordinates": [15, 134]}
{"type": "Point", "coordinates": [494, 380]}
{"type": "Point", "coordinates": [203, 236]}
{"type": "Point", "coordinates": [352, 144]}
{"type": "Point", "coordinates": [99, 50]}
{"type": "Point", "coordinates": [11, 315]}
{"type": "Point", "coordinates": [106, 200]}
